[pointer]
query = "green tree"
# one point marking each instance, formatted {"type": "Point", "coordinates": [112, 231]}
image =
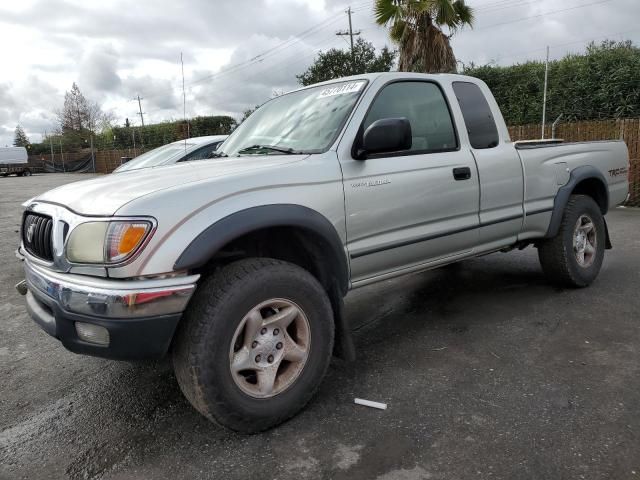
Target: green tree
{"type": "Point", "coordinates": [20, 139]}
{"type": "Point", "coordinates": [417, 27]}
{"type": "Point", "coordinates": [600, 83]}
{"type": "Point", "coordinates": [157, 134]}
{"type": "Point", "coordinates": [337, 63]}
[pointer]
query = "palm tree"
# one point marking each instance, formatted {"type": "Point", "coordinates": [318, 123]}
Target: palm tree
{"type": "Point", "coordinates": [416, 25]}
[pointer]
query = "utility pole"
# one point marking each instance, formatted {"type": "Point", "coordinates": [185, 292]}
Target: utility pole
{"type": "Point", "coordinates": [53, 163]}
{"type": "Point", "coordinates": [184, 103]}
{"type": "Point", "coordinates": [351, 34]}
{"type": "Point", "coordinates": [544, 101]}
{"type": "Point", "coordinates": [93, 157]}
{"type": "Point", "coordinates": [62, 155]}
{"type": "Point", "coordinates": [141, 112]}
{"type": "Point", "coordinates": [141, 120]}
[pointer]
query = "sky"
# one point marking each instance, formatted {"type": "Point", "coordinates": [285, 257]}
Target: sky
{"type": "Point", "coordinates": [237, 53]}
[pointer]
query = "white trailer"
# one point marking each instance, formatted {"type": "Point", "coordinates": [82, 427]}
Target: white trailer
{"type": "Point", "coordinates": [14, 160]}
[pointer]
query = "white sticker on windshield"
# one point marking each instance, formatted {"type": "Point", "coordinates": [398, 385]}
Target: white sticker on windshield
{"type": "Point", "coordinates": [350, 87]}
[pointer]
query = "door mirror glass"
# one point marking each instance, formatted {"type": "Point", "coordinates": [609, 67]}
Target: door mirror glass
{"type": "Point", "coordinates": [386, 135]}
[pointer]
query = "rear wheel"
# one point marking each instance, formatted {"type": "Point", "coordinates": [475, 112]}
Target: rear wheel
{"type": "Point", "coordinates": [574, 256]}
{"type": "Point", "coordinates": [26, 173]}
{"type": "Point", "coordinates": [254, 344]}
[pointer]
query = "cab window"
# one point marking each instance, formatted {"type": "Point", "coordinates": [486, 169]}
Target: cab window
{"type": "Point", "coordinates": [424, 105]}
{"type": "Point", "coordinates": [478, 118]}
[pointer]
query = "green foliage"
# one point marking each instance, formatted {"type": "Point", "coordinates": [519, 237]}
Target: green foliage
{"type": "Point", "coordinates": [128, 137]}
{"type": "Point", "coordinates": [39, 148]}
{"type": "Point", "coordinates": [155, 135]}
{"type": "Point", "coordinates": [337, 63]}
{"type": "Point", "coordinates": [604, 82]}
{"type": "Point", "coordinates": [20, 139]}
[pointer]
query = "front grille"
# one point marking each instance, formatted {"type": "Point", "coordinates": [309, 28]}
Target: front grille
{"type": "Point", "coordinates": [36, 235]}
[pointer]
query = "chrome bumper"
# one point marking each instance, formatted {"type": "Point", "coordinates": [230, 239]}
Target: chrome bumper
{"type": "Point", "coordinates": [109, 298]}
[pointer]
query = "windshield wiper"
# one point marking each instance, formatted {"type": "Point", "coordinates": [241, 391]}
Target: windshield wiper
{"type": "Point", "coordinates": [273, 148]}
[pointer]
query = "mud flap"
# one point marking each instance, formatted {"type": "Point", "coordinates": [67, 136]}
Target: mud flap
{"type": "Point", "coordinates": [607, 242]}
{"type": "Point", "coordinates": [343, 347]}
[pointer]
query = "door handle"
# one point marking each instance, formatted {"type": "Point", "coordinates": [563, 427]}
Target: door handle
{"type": "Point", "coordinates": [462, 173]}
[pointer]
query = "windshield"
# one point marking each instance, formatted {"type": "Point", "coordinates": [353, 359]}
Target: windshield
{"type": "Point", "coordinates": [157, 156]}
{"type": "Point", "coordinates": [306, 121]}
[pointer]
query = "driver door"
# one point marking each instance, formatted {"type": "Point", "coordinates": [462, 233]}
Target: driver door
{"type": "Point", "coordinates": [407, 209]}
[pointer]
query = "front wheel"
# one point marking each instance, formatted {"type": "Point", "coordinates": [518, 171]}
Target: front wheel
{"type": "Point", "coordinates": [574, 256]}
{"type": "Point", "coordinates": [254, 344]}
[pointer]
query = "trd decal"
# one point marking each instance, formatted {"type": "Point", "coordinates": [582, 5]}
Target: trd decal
{"type": "Point", "coordinates": [616, 172]}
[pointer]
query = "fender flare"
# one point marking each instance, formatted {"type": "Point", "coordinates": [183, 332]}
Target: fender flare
{"type": "Point", "coordinates": [229, 228]}
{"type": "Point", "coordinates": [578, 175]}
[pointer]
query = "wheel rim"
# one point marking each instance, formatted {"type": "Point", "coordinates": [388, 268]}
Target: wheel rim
{"type": "Point", "coordinates": [270, 348]}
{"type": "Point", "coordinates": [585, 241]}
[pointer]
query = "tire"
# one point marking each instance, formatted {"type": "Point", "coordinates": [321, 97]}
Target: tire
{"type": "Point", "coordinates": [207, 339]}
{"type": "Point", "coordinates": [560, 255]}
{"type": "Point", "coordinates": [26, 173]}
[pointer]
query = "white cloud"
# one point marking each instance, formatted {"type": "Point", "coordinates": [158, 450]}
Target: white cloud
{"type": "Point", "coordinates": [117, 49]}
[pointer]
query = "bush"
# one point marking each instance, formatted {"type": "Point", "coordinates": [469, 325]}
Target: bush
{"type": "Point", "coordinates": [601, 83]}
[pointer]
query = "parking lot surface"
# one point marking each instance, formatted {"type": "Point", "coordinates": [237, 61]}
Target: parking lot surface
{"type": "Point", "coordinates": [488, 372]}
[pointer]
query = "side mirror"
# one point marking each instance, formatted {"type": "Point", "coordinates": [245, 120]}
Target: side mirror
{"type": "Point", "coordinates": [386, 135]}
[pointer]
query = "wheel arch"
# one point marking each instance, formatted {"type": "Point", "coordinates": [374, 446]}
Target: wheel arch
{"type": "Point", "coordinates": [584, 180]}
{"type": "Point", "coordinates": [311, 225]}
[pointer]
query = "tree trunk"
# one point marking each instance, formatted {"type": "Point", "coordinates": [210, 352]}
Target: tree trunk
{"type": "Point", "coordinates": [425, 48]}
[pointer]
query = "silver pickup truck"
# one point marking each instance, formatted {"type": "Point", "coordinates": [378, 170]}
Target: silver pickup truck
{"type": "Point", "coordinates": [238, 266]}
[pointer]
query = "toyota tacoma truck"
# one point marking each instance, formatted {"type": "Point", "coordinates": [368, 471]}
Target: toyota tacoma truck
{"type": "Point", "coordinates": [237, 267]}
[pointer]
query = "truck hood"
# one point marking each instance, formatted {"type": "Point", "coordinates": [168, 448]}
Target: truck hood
{"type": "Point", "coordinates": [106, 194]}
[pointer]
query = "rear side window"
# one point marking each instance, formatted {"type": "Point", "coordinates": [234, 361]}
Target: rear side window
{"type": "Point", "coordinates": [423, 104]}
{"type": "Point", "coordinates": [478, 118]}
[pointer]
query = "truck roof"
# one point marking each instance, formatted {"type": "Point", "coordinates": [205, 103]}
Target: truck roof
{"type": "Point", "coordinates": [441, 77]}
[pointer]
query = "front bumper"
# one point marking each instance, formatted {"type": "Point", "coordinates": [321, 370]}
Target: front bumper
{"type": "Point", "coordinates": [140, 316]}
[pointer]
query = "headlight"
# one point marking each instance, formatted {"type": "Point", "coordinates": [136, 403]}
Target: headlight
{"type": "Point", "coordinates": [106, 242]}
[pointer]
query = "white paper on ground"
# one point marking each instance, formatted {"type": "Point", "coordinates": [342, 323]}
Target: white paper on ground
{"type": "Point", "coordinates": [369, 403]}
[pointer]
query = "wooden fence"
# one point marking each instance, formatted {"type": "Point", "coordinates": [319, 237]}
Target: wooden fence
{"type": "Point", "coordinates": [627, 130]}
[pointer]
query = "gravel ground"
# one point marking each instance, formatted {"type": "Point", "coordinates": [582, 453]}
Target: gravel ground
{"type": "Point", "coordinates": [488, 372]}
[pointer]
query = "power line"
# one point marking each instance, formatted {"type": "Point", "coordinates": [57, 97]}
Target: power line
{"type": "Point", "coordinates": [542, 15]}
{"type": "Point", "coordinates": [265, 54]}
{"type": "Point", "coordinates": [585, 40]}
{"type": "Point", "coordinates": [272, 51]}
{"type": "Point", "coordinates": [284, 63]}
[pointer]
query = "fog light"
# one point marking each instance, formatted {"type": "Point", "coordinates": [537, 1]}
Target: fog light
{"type": "Point", "coordinates": [93, 334]}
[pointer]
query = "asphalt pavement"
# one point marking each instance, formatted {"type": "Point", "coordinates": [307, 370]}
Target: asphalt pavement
{"type": "Point", "coordinates": [488, 372]}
